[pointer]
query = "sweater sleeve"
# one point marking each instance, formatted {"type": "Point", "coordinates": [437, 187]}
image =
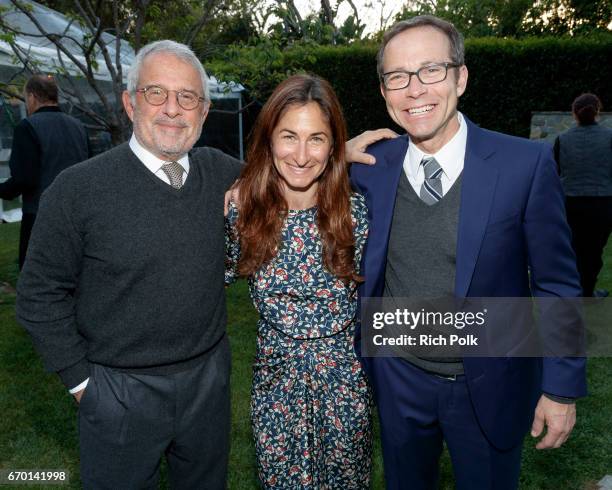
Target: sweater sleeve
{"type": "Point", "coordinates": [46, 304]}
{"type": "Point", "coordinates": [230, 169]}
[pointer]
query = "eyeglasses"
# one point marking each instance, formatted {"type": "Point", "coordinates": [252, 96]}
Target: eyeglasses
{"type": "Point", "coordinates": [427, 75]}
{"type": "Point", "coordinates": [156, 95]}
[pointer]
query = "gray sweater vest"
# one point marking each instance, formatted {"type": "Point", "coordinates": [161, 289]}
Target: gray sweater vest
{"type": "Point", "coordinates": [585, 161]}
{"type": "Point", "coordinates": [421, 259]}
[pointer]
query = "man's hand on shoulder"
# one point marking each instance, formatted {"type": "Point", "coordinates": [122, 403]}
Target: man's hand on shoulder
{"type": "Point", "coordinates": [356, 147]}
{"type": "Point", "coordinates": [559, 420]}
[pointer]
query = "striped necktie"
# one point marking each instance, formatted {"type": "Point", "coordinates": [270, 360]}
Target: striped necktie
{"type": "Point", "coordinates": [431, 190]}
{"type": "Point", "coordinates": [174, 171]}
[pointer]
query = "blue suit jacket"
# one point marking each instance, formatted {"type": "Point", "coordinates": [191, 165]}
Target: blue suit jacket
{"type": "Point", "coordinates": [511, 217]}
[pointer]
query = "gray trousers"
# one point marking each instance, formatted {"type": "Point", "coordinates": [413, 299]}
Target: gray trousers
{"type": "Point", "coordinates": [127, 422]}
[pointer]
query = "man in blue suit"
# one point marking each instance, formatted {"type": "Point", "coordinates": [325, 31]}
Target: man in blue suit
{"type": "Point", "coordinates": [456, 209]}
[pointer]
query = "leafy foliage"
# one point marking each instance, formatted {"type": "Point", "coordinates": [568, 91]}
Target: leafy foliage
{"type": "Point", "coordinates": [508, 78]}
{"type": "Point", "coordinates": [475, 18]}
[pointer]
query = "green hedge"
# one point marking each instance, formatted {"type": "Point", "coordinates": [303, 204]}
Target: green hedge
{"type": "Point", "coordinates": [508, 78]}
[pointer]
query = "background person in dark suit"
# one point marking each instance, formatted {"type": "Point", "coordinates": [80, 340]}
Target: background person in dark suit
{"type": "Point", "coordinates": [584, 156]}
{"type": "Point", "coordinates": [459, 210]}
{"type": "Point", "coordinates": [123, 291]}
{"type": "Point", "coordinates": [45, 143]}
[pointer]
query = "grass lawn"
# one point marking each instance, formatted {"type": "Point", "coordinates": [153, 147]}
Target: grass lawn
{"type": "Point", "coordinates": [38, 423]}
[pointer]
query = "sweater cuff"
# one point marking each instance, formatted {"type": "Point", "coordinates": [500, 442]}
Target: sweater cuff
{"type": "Point", "coordinates": [75, 374]}
{"type": "Point", "coordinates": [560, 399]}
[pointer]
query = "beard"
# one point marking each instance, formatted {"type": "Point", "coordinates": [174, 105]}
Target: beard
{"type": "Point", "coordinates": [166, 146]}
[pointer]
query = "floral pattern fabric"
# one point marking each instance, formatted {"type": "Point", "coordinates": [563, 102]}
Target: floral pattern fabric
{"type": "Point", "coordinates": [310, 401]}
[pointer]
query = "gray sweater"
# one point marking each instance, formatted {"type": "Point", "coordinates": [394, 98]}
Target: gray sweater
{"type": "Point", "coordinates": [125, 271]}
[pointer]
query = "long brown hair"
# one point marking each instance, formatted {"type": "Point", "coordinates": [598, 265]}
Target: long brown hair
{"type": "Point", "coordinates": [262, 205]}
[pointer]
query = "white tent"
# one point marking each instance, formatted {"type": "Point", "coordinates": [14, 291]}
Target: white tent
{"type": "Point", "coordinates": [43, 52]}
{"type": "Point", "coordinates": [49, 59]}
{"type": "Point", "coordinates": [46, 55]}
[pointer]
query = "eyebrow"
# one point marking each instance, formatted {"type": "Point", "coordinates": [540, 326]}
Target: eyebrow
{"type": "Point", "coordinates": [311, 134]}
{"type": "Point", "coordinates": [195, 91]}
{"type": "Point", "coordinates": [424, 63]}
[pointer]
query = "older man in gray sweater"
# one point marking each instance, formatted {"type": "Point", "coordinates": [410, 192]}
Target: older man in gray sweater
{"type": "Point", "coordinates": [122, 290]}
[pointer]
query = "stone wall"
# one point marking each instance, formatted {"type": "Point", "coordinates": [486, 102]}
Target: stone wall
{"type": "Point", "coordinates": [547, 125]}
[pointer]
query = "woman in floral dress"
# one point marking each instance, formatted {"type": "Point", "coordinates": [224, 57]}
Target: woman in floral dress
{"type": "Point", "coordinates": [299, 238]}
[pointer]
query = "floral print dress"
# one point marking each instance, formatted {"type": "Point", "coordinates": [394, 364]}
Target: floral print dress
{"type": "Point", "coordinates": [310, 401]}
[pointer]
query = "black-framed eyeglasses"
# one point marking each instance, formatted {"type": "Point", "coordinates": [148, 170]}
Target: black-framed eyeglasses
{"type": "Point", "coordinates": [427, 75]}
{"type": "Point", "coordinates": [156, 95]}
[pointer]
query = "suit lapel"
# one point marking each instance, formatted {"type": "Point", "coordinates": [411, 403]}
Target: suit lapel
{"type": "Point", "coordinates": [479, 181]}
{"type": "Point", "coordinates": [382, 189]}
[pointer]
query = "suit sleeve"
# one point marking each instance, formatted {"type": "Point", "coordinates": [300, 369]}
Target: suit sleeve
{"type": "Point", "coordinates": [556, 151]}
{"type": "Point", "coordinates": [46, 287]}
{"type": "Point", "coordinates": [24, 162]}
{"type": "Point", "coordinates": [553, 275]}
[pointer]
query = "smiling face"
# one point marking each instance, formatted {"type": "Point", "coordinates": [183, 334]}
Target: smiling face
{"type": "Point", "coordinates": [301, 145]}
{"type": "Point", "coordinates": [168, 131]}
{"type": "Point", "coordinates": [428, 113]}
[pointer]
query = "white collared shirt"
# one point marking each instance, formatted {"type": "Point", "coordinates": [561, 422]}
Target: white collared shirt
{"type": "Point", "coordinates": [153, 163]}
{"type": "Point", "coordinates": [451, 158]}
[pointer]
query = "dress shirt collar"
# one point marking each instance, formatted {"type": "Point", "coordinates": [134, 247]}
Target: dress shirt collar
{"type": "Point", "coordinates": [450, 157]}
{"type": "Point", "coordinates": [47, 108]}
{"type": "Point", "coordinates": [150, 161]}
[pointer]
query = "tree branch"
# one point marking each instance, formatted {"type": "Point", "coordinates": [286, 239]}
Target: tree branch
{"type": "Point", "coordinates": [355, 11]}
{"type": "Point", "coordinates": [244, 108]}
{"type": "Point", "coordinates": [7, 92]}
{"type": "Point", "coordinates": [77, 94]}
{"type": "Point", "coordinates": [207, 11]}
{"type": "Point", "coordinates": [328, 14]}
{"type": "Point", "coordinates": [98, 41]}
{"type": "Point", "coordinates": [141, 12]}
{"type": "Point", "coordinates": [95, 29]}
{"type": "Point", "coordinates": [54, 38]}
{"type": "Point", "coordinates": [23, 57]}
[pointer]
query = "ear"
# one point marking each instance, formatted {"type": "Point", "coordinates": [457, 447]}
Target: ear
{"type": "Point", "coordinates": [205, 109]}
{"type": "Point", "coordinates": [127, 104]}
{"type": "Point", "coordinates": [462, 80]}
{"type": "Point", "coordinates": [382, 91]}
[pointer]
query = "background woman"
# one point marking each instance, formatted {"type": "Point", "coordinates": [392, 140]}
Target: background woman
{"type": "Point", "coordinates": [584, 155]}
{"type": "Point", "coordinates": [298, 238]}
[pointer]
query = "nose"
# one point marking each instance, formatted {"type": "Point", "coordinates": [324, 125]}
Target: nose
{"type": "Point", "coordinates": [171, 106]}
{"type": "Point", "coordinates": [415, 88]}
{"type": "Point", "coordinates": [302, 156]}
